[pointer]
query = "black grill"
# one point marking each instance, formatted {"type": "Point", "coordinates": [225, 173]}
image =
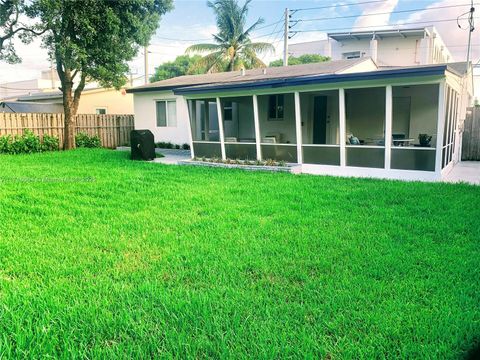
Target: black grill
{"type": "Point", "coordinates": [143, 145]}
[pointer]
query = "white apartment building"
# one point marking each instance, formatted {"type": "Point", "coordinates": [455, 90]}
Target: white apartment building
{"type": "Point", "coordinates": [406, 47]}
{"type": "Point", "coordinates": [48, 81]}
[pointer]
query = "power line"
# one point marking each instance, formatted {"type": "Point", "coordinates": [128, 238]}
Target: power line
{"type": "Point", "coordinates": [380, 13]}
{"type": "Point", "coordinates": [339, 5]}
{"type": "Point", "coordinates": [375, 26]}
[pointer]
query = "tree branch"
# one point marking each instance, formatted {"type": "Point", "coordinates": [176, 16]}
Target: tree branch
{"type": "Point", "coordinates": [78, 91]}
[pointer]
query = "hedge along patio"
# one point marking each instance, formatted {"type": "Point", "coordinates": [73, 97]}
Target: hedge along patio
{"type": "Point", "coordinates": [113, 130]}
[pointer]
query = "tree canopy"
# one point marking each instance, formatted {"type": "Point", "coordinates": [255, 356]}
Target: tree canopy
{"type": "Point", "coordinates": [232, 48]}
{"type": "Point", "coordinates": [182, 65]}
{"type": "Point", "coordinates": [93, 40]}
{"type": "Point", "coordinates": [303, 59]}
{"type": "Point", "coordinates": [12, 25]}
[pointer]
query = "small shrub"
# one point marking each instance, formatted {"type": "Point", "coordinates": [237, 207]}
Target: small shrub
{"type": "Point", "coordinates": [270, 162]}
{"type": "Point", "coordinates": [83, 140]}
{"type": "Point", "coordinates": [50, 143]}
{"type": "Point", "coordinates": [30, 142]}
{"type": "Point", "coordinates": [177, 146]}
{"type": "Point", "coordinates": [5, 144]}
{"type": "Point", "coordinates": [186, 147]}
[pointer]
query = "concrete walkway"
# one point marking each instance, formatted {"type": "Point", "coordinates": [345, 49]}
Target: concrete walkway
{"type": "Point", "coordinates": [172, 157]}
{"type": "Point", "coordinates": [465, 171]}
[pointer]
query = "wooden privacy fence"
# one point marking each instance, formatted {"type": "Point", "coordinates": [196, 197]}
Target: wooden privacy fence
{"type": "Point", "coordinates": [113, 130]}
{"type": "Point", "coordinates": [471, 135]}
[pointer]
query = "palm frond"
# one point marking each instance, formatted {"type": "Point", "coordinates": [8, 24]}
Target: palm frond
{"type": "Point", "coordinates": [213, 62]}
{"type": "Point", "coordinates": [246, 33]}
{"type": "Point", "coordinates": [260, 47]}
{"type": "Point", "coordinates": [203, 48]}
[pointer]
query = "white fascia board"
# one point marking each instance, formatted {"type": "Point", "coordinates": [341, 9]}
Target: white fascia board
{"type": "Point", "coordinates": [321, 87]}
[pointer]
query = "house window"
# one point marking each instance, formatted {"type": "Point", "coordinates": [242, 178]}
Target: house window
{"type": "Point", "coordinates": [351, 55]}
{"type": "Point", "coordinates": [228, 111]}
{"type": "Point", "coordinates": [100, 111]}
{"type": "Point", "coordinates": [166, 113]}
{"type": "Point", "coordinates": [275, 107]}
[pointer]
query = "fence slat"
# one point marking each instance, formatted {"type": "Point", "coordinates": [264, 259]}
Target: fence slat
{"type": "Point", "coordinates": [471, 135]}
{"type": "Point", "coordinates": [113, 130]}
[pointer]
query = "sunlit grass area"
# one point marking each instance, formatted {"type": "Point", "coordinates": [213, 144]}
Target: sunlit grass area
{"type": "Point", "coordinates": [102, 257]}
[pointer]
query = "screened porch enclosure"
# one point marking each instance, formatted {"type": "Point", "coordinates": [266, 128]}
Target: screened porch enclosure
{"type": "Point", "coordinates": [239, 127]}
{"type": "Point", "coordinates": [204, 128]}
{"type": "Point", "coordinates": [378, 127]}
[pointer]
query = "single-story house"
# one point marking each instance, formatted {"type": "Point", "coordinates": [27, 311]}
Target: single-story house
{"type": "Point", "coordinates": [345, 117]}
{"type": "Point", "coordinates": [92, 101]}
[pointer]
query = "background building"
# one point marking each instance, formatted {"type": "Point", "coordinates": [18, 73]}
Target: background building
{"type": "Point", "coordinates": [406, 47]}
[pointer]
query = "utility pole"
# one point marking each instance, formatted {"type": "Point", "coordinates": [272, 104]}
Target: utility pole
{"type": "Point", "coordinates": [470, 30]}
{"type": "Point", "coordinates": [285, 39]}
{"type": "Point", "coordinates": [145, 59]}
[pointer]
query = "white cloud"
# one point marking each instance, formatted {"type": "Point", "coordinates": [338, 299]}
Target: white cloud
{"type": "Point", "coordinates": [373, 8]}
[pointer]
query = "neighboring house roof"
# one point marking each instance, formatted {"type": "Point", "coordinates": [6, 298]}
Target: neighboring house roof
{"type": "Point", "coordinates": [381, 74]}
{"type": "Point", "coordinates": [29, 107]}
{"type": "Point", "coordinates": [53, 95]}
{"type": "Point", "coordinates": [282, 72]}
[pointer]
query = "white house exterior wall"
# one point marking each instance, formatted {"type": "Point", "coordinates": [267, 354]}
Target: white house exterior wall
{"type": "Point", "coordinates": [145, 117]}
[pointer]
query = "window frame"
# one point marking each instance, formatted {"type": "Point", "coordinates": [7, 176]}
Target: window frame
{"type": "Point", "coordinates": [276, 118]}
{"type": "Point", "coordinates": [352, 55]}
{"type": "Point", "coordinates": [101, 108]}
{"type": "Point", "coordinates": [229, 108]}
{"type": "Point", "coordinates": [167, 118]}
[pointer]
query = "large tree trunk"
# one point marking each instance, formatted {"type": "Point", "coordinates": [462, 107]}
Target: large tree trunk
{"type": "Point", "coordinates": [69, 112]}
{"type": "Point", "coordinates": [71, 99]}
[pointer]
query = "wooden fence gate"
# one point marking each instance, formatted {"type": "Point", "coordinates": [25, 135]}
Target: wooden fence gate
{"type": "Point", "coordinates": [113, 130]}
{"type": "Point", "coordinates": [471, 135]}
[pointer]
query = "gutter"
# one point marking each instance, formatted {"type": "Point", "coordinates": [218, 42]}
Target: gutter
{"type": "Point", "coordinates": [316, 79]}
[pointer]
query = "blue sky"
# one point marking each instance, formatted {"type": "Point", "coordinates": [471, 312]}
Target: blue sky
{"type": "Point", "coordinates": [192, 20]}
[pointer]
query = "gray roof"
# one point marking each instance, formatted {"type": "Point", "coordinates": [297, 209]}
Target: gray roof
{"type": "Point", "coordinates": [30, 107]}
{"type": "Point", "coordinates": [282, 72]}
{"type": "Point", "coordinates": [458, 67]}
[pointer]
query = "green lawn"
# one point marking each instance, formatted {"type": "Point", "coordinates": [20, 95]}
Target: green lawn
{"type": "Point", "coordinates": [101, 256]}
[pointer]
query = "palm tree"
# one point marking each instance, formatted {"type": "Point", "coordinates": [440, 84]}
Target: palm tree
{"type": "Point", "coordinates": [233, 48]}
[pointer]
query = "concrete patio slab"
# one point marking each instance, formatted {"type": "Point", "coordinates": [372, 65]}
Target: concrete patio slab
{"type": "Point", "coordinates": [465, 171]}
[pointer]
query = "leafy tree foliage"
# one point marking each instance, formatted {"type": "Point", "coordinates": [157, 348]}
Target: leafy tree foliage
{"type": "Point", "coordinates": [12, 26]}
{"type": "Point", "coordinates": [233, 48]}
{"type": "Point", "coordinates": [93, 40]}
{"type": "Point", "coordinates": [183, 65]}
{"type": "Point", "coordinates": [303, 59]}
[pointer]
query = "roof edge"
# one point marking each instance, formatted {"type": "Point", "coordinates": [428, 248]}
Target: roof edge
{"type": "Point", "coordinates": [309, 80]}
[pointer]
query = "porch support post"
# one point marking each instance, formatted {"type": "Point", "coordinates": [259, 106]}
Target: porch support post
{"type": "Point", "coordinates": [298, 127]}
{"type": "Point", "coordinates": [440, 127]}
{"type": "Point", "coordinates": [220, 128]}
{"type": "Point", "coordinates": [342, 126]}
{"type": "Point", "coordinates": [191, 115]}
{"type": "Point", "coordinates": [388, 126]}
{"type": "Point", "coordinates": [256, 122]}
{"type": "Point", "coordinates": [206, 119]}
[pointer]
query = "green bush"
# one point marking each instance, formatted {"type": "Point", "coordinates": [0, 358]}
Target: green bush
{"type": "Point", "coordinates": [30, 142]}
{"type": "Point", "coordinates": [27, 143]}
{"type": "Point", "coordinates": [169, 145]}
{"type": "Point", "coordinates": [86, 141]}
{"type": "Point", "coordinates": [5, 144]}
{"type": "Point", "coordinates": [50, 143]}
